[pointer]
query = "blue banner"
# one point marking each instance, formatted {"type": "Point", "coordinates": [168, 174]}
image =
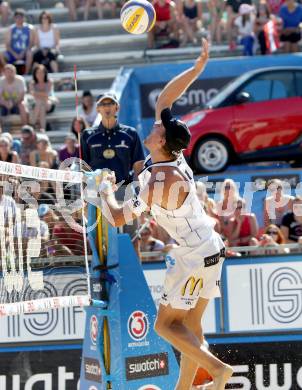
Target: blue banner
{"type": "Point", "coordinates": [139, 87]}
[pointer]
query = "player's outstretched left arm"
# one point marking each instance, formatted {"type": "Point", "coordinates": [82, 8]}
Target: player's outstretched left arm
{"type": "Point", "coordinates": [180, 83]}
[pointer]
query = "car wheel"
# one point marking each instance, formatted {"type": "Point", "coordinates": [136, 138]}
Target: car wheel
{"type": "Point", "coordinates": [211, 155]}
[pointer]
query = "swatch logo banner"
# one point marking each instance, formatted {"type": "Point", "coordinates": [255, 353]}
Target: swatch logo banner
{"type": "Point", "coordinates": [92, 370]}
{"type": "Point", "coordinates": [149, 387]}
{"type": "Point", "coordinates": [147, 366]}
{"type": "Point", "coordinates": [138, 325]}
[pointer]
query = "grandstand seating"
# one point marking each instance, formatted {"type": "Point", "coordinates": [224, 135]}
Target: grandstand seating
{"type": "Point", "coordinates": [98, 48]}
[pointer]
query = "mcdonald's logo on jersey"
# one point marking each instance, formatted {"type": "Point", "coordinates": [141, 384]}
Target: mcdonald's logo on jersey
{"type": "Point", "coordinates": [192, 286]}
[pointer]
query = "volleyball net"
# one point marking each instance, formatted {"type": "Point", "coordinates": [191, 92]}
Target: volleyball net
{"type": "Point", "coordinates": [43, 247]}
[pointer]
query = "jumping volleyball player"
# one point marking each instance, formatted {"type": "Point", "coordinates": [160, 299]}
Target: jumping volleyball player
{"type": "Point", "coordinates": [167, 189]}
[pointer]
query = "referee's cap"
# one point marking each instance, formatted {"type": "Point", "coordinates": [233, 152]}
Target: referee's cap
{"type": "Point", "coordinates": [108, 95]}
{"type": "Point", "coordinates": [178, 135]}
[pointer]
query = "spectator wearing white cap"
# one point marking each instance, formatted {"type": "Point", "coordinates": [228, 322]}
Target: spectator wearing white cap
{"type": "Point", "coordinates": [44, 152]}
{"type": "Point", "coordinates": [245, 26]}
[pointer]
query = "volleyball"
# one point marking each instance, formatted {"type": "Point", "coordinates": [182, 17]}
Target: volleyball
{"type": "Point", "coordinates": [138, 16]}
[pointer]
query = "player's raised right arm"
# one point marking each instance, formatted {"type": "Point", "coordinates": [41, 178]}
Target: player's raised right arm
{"type": "Point", "coordinates": [179, 84]}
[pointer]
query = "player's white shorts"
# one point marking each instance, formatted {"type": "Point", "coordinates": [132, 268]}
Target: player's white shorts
{"type": "Point", "coordinates": [191, 276]}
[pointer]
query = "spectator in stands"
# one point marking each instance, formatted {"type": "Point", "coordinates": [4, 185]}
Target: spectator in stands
{"type": "Point", "coordinates": [150, 244]}
{"type": "Point", "coordinates": [232, 9]}
{"type": "Point", "coordinates": [47, 42]}
{"type": "Point", "coordinates": [72, 6]}
{"type": "Point", "coordinates": [243, 226]}
{"type": "Point", "coordinates": [99, 6]}
{"type": "Point", "coordinates": [225, 207]}
{"type": "Point", "coordinates": [263, 16]}
{"type": "Point", "coordinates": [277, 204]}
{"type": "Point", "coordinates": [44, 152]}
{"type": "Point", "coordinates": [12, 92]}
{"type": "Point", "coordinates": [78, 125]}
{"type": "Point", "coordinates": [291, 15]}
{"type": "Point", "coordinates": [69, 237]}
{"type": "Point", "coordinates": [245, 24]}
{"type": "Point", "coordinates": [291, 225]}
{"type": "Point", "coordinates": [113, 145]}
{"type": "Point", "coordinates": [87, 110]}
{"type": "Point", "coordinates": [190, 15]}
{"type": "Point", "coordinates": [274, 6]}
{"type": "Point", "coordinates": [19, 40]}
{"type": "Point", "coordinates": [15, 143]}
{"type": "Point", "coordinates": [6, 154]}
{"type": "Point", "coordinates": [272, 236]}
{"type": "Point", "coordinates": [4, 12]}
{"type": "Point", "coordinates": [44, 100]}
{"type": "Point", "coordinates": [28, 143]}
{"type": "Point", "coordinates": [167, 23]}
{"type": "Point", "coordinates": [216, 9]}
{"type": "Point", "coordinates": [71, 149]}
{"type": "Point", "coordinates": [208, 204]}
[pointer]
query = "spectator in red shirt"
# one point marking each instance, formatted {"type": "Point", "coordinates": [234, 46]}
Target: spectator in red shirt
{"type": "Point", "coordinates": [166, 21]}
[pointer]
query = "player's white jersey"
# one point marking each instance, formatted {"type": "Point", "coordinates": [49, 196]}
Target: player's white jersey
{"type": "Point", "coordinates": [188, 225]}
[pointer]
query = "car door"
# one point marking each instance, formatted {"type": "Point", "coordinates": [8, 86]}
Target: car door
{"type": "Point", "coordinates": [272, 116]}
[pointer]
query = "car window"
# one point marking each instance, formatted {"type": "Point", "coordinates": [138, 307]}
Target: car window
{"type": "Point", "coordinates": [299, 83]}
{"type": "Point", "coordinates": [272, 85]}
{"type": "Point", "coordinates": [258, 89]}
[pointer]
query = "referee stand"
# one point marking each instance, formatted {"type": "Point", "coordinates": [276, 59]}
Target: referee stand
{"type": "Point", "coordinates": [121, 351]}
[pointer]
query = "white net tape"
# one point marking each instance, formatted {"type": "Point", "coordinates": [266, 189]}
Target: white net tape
{"type": "Point", "coordinates": [42, 239]}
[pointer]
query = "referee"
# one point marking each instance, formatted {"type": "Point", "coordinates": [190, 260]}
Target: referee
{"type": "Point", "coordinates": [113, 145]}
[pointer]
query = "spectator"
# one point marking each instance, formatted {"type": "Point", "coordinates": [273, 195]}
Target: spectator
{"type": "Point", "coordinates": [72, 6]}
{"type": "Point", "coordinates": [150, 244]}
{"type": "Point", "coordinates": [99, 6]}
{"type": "Point", "coordinates": [6, 154]}
{"type": "Point", "coordinates": [232, 9]}
{"type": "Point", "coordinates": [190, 15]}
{"type": "Point", "coordinates": [28, 143]}
{"type": "Point", "coordinates": [291, 225]}
{"type": "Point", "coordinates": [262, 18]}
{"type": "Point", "coordinates": [44, 152]}
{"type": "Point", "coordinates": [47, 41]}
{"type": "Point", "coordinates": [274, 6]}
{"type": "Point", "coordinates": [208, 205]}
{"type": "Point", "coordinates": [87, 110]}
{"type": "Point", "coordinates": [277, 204]}
{"type": "Point", "coordinates": [243, 226]}
{"type": "Point", "coordinates": [245, 23]}
{"type": "Point", "coordinates": [216, 8]}
{"type": "Point", "coordinates": [44, 101]}
{"type": "Point", "coordinates": [71, 149]}
{"type": "Point", "coordinates": [15, 144]}
{"type": "Point", "coordinates": [113, 145]}
{"type": "Point", "coordinates": [272, 236]}
{"type": "Point", "coordinates": [69, 237]}
{"type": "Point", "coordinates": [291, 15]}
{"type": "Point", "coordinates": [78, 125]}
{"type": "Point", "coordinates": [226, 205]}
{"type": "Point", "coordinates": [4, 12]}
{"type": "Point", "coordinates": [19, 41]}
{"type": "Point", "coordinates": [47, 187]}
{"type": "Point", "coordinates": [12, 92]}
{"type": "Point", "coordinates": [166, 22]}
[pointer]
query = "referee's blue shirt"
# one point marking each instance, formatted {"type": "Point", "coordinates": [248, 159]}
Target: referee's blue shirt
{"type": "Point", "coordinates": [116, 149]}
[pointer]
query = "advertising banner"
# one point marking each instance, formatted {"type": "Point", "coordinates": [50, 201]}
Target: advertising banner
{"type": "Point", "coordinates": [57, 324]}
{"type": "Point", "coordinates": [40, 369]}
{"type": "Point", "coordinates": [263, 294]}
{"type": "Point", "coordinates": [263, 365]}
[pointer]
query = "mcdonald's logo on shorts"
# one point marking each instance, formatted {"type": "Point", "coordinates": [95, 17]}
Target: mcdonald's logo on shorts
{"type": "Point", "coordinates": [192, 286]}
